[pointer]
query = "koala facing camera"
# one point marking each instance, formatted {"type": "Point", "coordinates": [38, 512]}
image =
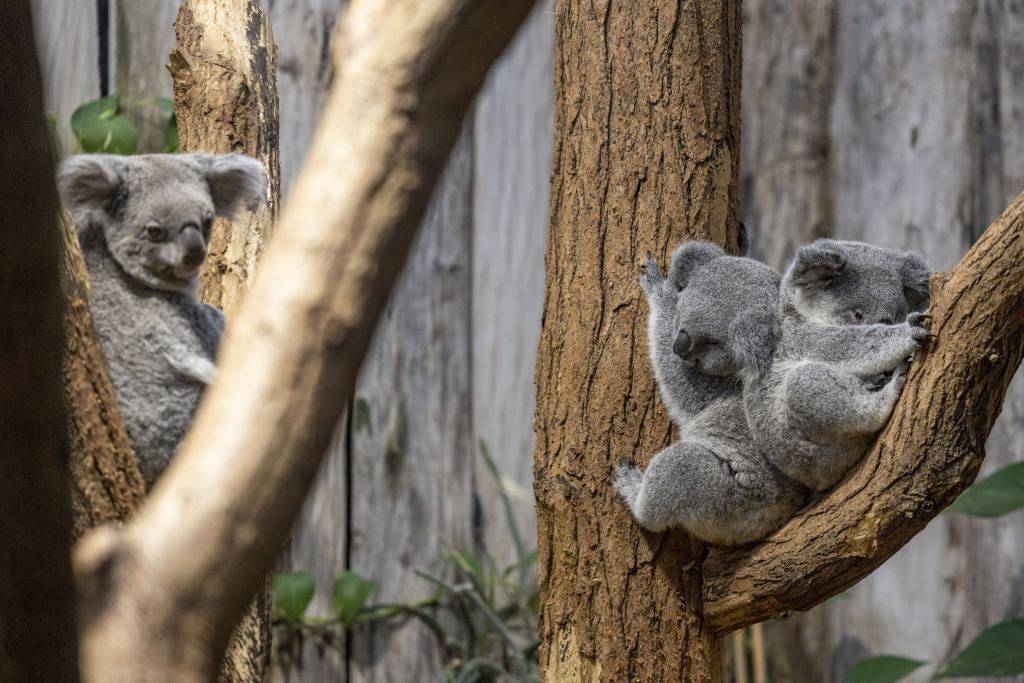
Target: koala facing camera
{"type": "Point", "coordinates": [144, 225]}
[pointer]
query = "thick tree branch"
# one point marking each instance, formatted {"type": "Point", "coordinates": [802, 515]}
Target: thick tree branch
{"type": "Point", "coordinates": [929, 452]}
{"type": "Point", "coordinates": [162, 594]}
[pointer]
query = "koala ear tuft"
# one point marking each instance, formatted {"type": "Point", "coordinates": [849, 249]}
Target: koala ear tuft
{"type": "Point", "coordinates": [690, 256]}
{"type": "Point", "coordinates": [752, 338]}
{"type": "Point", "coordinates": [233, 179]}
{"type": "Point", "coordinates": [88, 182]}
{"type": "Point", "coordinates": [816, 265]}
{"type": "Point", "coordinates": [915, 274]}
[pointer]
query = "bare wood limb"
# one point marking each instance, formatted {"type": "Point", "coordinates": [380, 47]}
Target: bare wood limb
{"type": "Point", "coordinates": [224, 69]}
{"type": "Point", "coordinates": [172, 582]}
{"type": "Point", "coordinates": [37, 634]}
{"type": "Point", "coordinates": [929, 452]}
{"type": "Point", "coordinates": [225, 96]}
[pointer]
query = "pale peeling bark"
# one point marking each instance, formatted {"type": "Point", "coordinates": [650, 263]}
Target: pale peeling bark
{"type": "Point", "coordinates": [225, 96]}
{"type": "Point", "coordinates": [646, 154]}
{"type": "Point", "coordinates": [225, 89]}
{"type": "Point", "coordinates": [927, 454]}
{"type": "Point", "coordinates": [161, 595]}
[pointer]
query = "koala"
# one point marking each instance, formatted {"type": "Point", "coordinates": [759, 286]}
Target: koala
{"type": "Point", "coordinates": [144, 225]}
{"type": "Point", "coordinates": [850, 316]}
{"type": "Point", "coordinates": [711, 330]}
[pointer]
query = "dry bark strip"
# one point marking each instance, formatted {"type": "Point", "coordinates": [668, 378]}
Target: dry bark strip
{"type": "Point", "coordinates": [929, 452]}
{"type": "Point", "coordinates": [161, 595]}
{"type": "Point", "coordinates": [646, 154]}
{"type": "Point", "coordinates": [224, 69]}
{"type": "Point", "coordinates": [37, 633]}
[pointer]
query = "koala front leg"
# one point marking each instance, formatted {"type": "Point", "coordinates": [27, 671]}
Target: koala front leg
{"type": "Point", "coordinates": [827, 402]}
{"type": "Point", "coordinates": [887, 351]}
{"type": "Point", "coordinates": [191, 366]}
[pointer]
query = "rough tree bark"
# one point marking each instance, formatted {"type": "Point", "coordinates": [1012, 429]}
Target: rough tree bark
{"type": "Point", "coordinates": [37, 625]}
{"type": "Point", "coordinates": [161, 594]}
{"type": "Point", "coordinates": [225, 95]}
{"type": "Point", "coordinates": [646, 153]}
{"type": "Point", "coordinates": [928, 453]}
{"type": "Point", "coordinates": [224, 69]}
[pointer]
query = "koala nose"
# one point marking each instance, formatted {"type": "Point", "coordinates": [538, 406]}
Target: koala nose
{"type": "Point", "coordinates": [682, 345]}
{"type": "Point", "coordinates": [194, 256]}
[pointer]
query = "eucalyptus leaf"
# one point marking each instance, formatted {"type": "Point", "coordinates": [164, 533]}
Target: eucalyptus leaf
{"type": "Point", "coordinates": [349, 595]}
{"type": "Point", "coordinates": [292, 595]}
{"type": "Point", "coordinates": [995, 495]}
{"type": "Point", "coordinates": [361, 416]}
{"type": "Point", "coordinates": [90, 113]}
{"type": "Point", "coordinates": [164, 103]}
{"type": "Point", "coordinates": [171, 143]}
{"type": "Point", "coordinates": [998, 651]}
{"type": "Point", "coordinates": [115, 135]}
{"type": "Point", "coordinates": [882, 669]}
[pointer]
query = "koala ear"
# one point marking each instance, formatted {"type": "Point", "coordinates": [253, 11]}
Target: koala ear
{"type": "Point", "coordinates": [88, 182]}
{"type": "Point", "coordinates": [233, 179]}
{"type": "Point", "coordinates": [915, 274]}
{"type": "Point", "coordinates": [815, 265]}
{"type": "Point", "coordinates": [752, 338]}
{"type": "Point", "coordinates": [688, 258]}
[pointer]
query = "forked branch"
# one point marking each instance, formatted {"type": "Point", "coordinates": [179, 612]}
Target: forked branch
{"type": "Point", "coordinates": [928, 453]}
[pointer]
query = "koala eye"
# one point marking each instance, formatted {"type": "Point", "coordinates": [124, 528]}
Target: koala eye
{"type": "Point", "coordinates": [857, 315]}
{"type": "Point", "coordinates": [155, 232]}
{"type": "Point", "coordinates": [886, 321]}
{"type": "Point", "coordinates": [207, 225]}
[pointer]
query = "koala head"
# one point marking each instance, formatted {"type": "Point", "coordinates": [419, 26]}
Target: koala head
{"type": "Point", "coordinates": [852, 283]}
{"type": "Point", "coordinates": [725, 315]}
{"type": "Point", "coordinates": [155, 211]}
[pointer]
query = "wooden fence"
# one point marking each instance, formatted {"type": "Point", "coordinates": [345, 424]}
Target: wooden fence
{"type": "Point", "coordinates": [452, 362]}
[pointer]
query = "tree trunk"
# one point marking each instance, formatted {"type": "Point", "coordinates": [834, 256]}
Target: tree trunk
{"type": "Point", "coordinates": [37, 625]}
{"type": "Point", "coordinates": [225, 90]}
{"type": "Point", "coordinates": [162, 593]}
{"type": "Point", "coordinates": [646, 154]}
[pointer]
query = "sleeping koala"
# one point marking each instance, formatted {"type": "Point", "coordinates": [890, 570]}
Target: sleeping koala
{"type": "Point", "coordinates": [711, 323]}
{"type": "Point", "coordinates": [144, 223]}
{"type": "Point", "coordinates": [849, 323]}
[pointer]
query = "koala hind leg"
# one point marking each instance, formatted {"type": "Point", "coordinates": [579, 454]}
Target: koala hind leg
{"type": "Point", "coordinates": [826, 402]}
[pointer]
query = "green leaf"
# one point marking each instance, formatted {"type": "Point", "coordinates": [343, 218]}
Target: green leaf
{"type": "Point", "coordinates": [115, 135]}
{"type": "Point", "coordinates": [883, 669]}
{"type": "Point", "coordinates": [292, 595]}
{"type": "Point", "coordinates": [171, 144]}
{"type": "Point", "coordinates": [349, 595]}
{"type": "Point", "coordinates": [998, 651]}
{"type": "Point", "coordinates": [91, 113]}
{"type": "Point", "coordinates": [361, 416]}
{"type": "Point", "coordinates": [995, 495]}
{"type": "Point", "coordinates": [165, 103]}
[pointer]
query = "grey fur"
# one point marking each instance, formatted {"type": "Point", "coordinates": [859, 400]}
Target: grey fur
{"type": "Point", "coordinates": [144, 223]}
{"type": "Point", "coordinates": [848, 328]}
{"type": "Point", "coordinates": [714, 482]}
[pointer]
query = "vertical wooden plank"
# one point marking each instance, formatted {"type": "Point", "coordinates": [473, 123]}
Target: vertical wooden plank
{"type": "Point", "coordinates": [67, 39]}
{"type": "Point", "coordinates": [143, 37]}
{"type": "Point", "coordinates": [412, 464]}
{"type": "Point", "coordinates": [303, 29]}
{"type": "Point", "coordinates": [513, 137]}
{"type": "Point", "coordinates": [926, 116]}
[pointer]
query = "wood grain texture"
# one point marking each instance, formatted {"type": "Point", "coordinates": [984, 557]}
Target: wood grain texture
{"type": "Point", "coordinates": [304, 31]}
{"type": "Point", "coordinates": [646, 153]}
{"type": "Point", "coordinates": [67, 39]}
{"type": "Point", "coordinates": [175, 579]}
{"type": "Point", "coordinates": [413, 464]}
{"type": "Point", "coordinates": [225, 96]}
{"type": "Point", "coordinates": [928, 453]}
{"type": "Point", "coordinates": [143, 36]}
{"type": "Point", "coordinates": [512, 166]}
{"type": "Point", "coordinates": [930, 86]}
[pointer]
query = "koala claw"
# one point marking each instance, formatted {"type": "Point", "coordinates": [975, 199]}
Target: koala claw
{"type": "Point", "coordinates": [920, 319]}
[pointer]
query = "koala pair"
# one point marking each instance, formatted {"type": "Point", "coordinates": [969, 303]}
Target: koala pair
{"type": "Point", "coordinates": [748, 371]}
{"type": "Point", "coordinates": [144, 224]}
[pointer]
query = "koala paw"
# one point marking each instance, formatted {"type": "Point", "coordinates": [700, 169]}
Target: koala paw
{"type": "Point", "coordinates": [652, 280]}
{"type": "Point", "coordinates": [627, 482]}
{"type": "Point", "coordinates": [920, 327]}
